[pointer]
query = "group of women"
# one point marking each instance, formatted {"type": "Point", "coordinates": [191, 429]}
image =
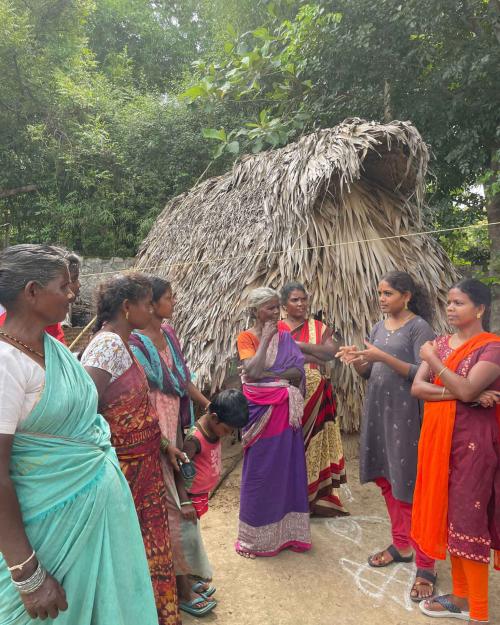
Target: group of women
{"type": "Point", "coordinates": [439, 471]}
{"type": "Point", "coordinates": [95, 522]}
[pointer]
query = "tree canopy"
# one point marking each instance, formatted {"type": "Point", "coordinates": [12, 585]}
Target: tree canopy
{"type": "Point", "coordinates": [111, 107]}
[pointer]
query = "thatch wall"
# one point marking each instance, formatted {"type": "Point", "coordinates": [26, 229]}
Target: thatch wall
{"type": "Point", "coordinates": [289, 214]}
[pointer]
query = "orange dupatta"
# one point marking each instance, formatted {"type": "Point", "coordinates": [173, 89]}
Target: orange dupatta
{"type": "Point", "coordinates": [430, 501]}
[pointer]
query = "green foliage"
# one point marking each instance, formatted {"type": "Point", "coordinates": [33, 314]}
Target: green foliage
{"type": "Point", "coordinates": [434, 62]}
{"type": "Point", "coordinates": [265, 71]}
{"type": "Point", "coordinates": [111, 107]}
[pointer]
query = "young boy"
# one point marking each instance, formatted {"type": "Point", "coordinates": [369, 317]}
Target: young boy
{"type": "Point", "coordinates": [226, 412]}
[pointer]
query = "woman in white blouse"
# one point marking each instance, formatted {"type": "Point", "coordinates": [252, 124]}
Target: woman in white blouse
{"type": "Point", "coordinates": [60, 481]}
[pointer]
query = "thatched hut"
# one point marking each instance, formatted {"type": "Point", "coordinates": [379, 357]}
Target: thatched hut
{"type": "Point", "coordinates": [321, 211]}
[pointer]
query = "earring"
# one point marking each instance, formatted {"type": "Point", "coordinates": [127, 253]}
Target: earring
{"type": "Point", "coordinates": [479, 315]}
{"type": "Point", "coordinates": [406, 305]}
{"type": "Point", "coordinates": [126, 315]}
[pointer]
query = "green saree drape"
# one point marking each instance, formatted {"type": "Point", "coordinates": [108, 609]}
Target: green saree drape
{"type": "Point", "coordinates": [77, 507]}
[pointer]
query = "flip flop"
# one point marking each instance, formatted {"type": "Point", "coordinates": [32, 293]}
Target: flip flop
{"type": "Point", "coordinates": [396, 557]}
{"type": "Point", "coordinates": [431, 581]}
{"type": "Point", "coordinates": [189, 606]}
{"type": "Point", "coordinates": [450, 611]}
{"type": "Point", "coordinates": [199, 588]}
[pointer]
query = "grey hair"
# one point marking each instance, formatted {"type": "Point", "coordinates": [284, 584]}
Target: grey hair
{"type": "Point", "coordinates": [20, 264]}
{"type": "Point", "coordinates": [72, 259]}
{"type": "Point", "coordinates": [288, 288]}
{"type": "Point", "coordinates": [260, 296]}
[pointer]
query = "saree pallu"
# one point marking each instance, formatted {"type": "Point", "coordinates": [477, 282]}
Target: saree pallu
{"type": "Point", "coordinates": [171, 378]}
{"type": "Point", "coordinates": [325, 460]}
{"type": "Point", "coordinates": [274, 509]}
{"type": "Point", "coordinates": [135, 433]}
{"type": "Point", "coordinates": [458, 454]}
{"type": "Point", "coordinates": [77, 509]}
{"type": "Point", "coordinates": [189, 553]}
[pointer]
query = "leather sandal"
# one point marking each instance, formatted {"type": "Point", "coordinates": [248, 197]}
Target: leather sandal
{"type": "Point", "coordinates": [396, 557]}
{"type": "Point", "coordinates": [429, 580]}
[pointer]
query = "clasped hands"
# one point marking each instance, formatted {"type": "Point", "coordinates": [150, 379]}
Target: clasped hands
{"type": "Point", "coordinates": [350, 354]}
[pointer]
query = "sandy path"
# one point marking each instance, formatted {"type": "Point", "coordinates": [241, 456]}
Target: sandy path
{"type": "Point", "coordinates": [331, 585]}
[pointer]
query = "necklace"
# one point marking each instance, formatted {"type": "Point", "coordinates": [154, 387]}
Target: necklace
{"type": "Point", "coordinates": [400, 325]}
{"type": "Point", "coordinates": [18, 342]}
{"type": "Point", "coordinates": [208, 436]}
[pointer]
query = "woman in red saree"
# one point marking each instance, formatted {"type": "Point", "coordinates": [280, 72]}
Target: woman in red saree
{"type": "Point", "coordinates": [457, 496]}
{"type": "Point", "coordinates": [322, 440]}
{"type": "Point", "coordinates": [124, 303]}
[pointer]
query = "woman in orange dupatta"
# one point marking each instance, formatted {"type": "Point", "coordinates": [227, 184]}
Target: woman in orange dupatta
{"type": "Point", "coordinates": [456, 505]}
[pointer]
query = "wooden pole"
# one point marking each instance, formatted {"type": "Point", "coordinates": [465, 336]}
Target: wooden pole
{"type": "Point", "coordinates": [83, 332]}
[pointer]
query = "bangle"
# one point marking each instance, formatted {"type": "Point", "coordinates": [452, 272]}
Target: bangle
{"type": "Point", "coordinates": [186, 503]}
{"type": "Point", "coordinates": [443, 392]}
{"type": "Point", "coordinates": [19, 567]}
{"type": "Point", "coordinates": [440, 373]}
{"type": "Point", "coordinates": [164, 444]}
{"type": "Point", "coordinates": [33, 583]}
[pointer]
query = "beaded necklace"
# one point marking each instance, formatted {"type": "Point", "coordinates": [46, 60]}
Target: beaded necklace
{"type": "Point", "coordinates": [18, 342]}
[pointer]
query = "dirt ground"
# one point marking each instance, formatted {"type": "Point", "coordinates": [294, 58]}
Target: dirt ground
{"type": "Point", "coordinates": [330, 585]}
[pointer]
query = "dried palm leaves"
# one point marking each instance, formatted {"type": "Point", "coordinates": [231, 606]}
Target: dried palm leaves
{"type": "Point", "coordinates": [252, 227]}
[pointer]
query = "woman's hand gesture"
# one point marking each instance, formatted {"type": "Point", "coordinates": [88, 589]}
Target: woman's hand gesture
{"type": "Point", "coordinates": [370, 354]}
{"type": "Point", "coordinates": [347, 354]}
{"type": "Point", "coordinates": [47, 601]}
{"type": "Point", "coordinates": [269, 330]}
{"type": "Point", "coordinates": [428, 351]}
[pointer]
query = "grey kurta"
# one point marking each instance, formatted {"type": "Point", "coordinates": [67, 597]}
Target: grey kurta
{"type": "Point", "coordinates": [392, 418]}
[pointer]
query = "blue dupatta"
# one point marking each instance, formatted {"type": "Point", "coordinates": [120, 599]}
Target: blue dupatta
{"type": "Point", "coordinates": [171, 381]}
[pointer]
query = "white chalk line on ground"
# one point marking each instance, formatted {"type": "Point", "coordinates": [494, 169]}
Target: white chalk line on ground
{"type": "Point", "coordinates": [395, 583]}
{"type": "Point", "coordinates": [380, 585]}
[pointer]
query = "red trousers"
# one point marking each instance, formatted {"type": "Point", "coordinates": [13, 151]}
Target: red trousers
{"type": "Point", "coordinates": [400, 515]}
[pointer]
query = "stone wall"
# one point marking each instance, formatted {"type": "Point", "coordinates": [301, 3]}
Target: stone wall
{"type": "Point", "coordinates": [93, 272]}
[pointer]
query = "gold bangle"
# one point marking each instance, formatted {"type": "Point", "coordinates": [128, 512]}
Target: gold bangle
{"type": "Point", "coordinates": [443, 392]}
{"type": "Point", "coordinates": [164, 444]}
{"type": "Point", "coordinates": [439, 374]}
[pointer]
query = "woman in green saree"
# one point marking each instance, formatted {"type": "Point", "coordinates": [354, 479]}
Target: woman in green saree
{"type": "Point", "coordinates": [69, 536]}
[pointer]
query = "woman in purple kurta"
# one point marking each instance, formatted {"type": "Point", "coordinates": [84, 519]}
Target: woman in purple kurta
{"type": "Point", "coordinates": [274, 509]}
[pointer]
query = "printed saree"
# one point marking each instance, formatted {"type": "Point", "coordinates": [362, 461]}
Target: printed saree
{"type": "Point", "coordinates": [76, 505]}
{"type": "Point", "coordinates": [187, 544]}
{"type": "Point", "coordinates": [136, 436]}
{"type": "Point", "coordinates": [430, 520]}
{"type": "Point", "coordinates": [274, 510]}
{"type": "Point", "coordinates": [323, 443]}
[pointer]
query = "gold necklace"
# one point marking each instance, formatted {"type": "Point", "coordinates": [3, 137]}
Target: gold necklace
{"type": "Point", "coordinates": [30, 349]}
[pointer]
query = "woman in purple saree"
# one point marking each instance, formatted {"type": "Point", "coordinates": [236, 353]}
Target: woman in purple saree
{"type": "Point", "coordinates": [274, 509]}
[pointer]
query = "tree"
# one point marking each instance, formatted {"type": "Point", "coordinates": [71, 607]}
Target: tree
{"type": "Point", "coordinates": [433, 61]}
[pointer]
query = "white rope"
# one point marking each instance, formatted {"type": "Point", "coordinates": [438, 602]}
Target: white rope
{"type": "Point", "coordinates": [299, 249]}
